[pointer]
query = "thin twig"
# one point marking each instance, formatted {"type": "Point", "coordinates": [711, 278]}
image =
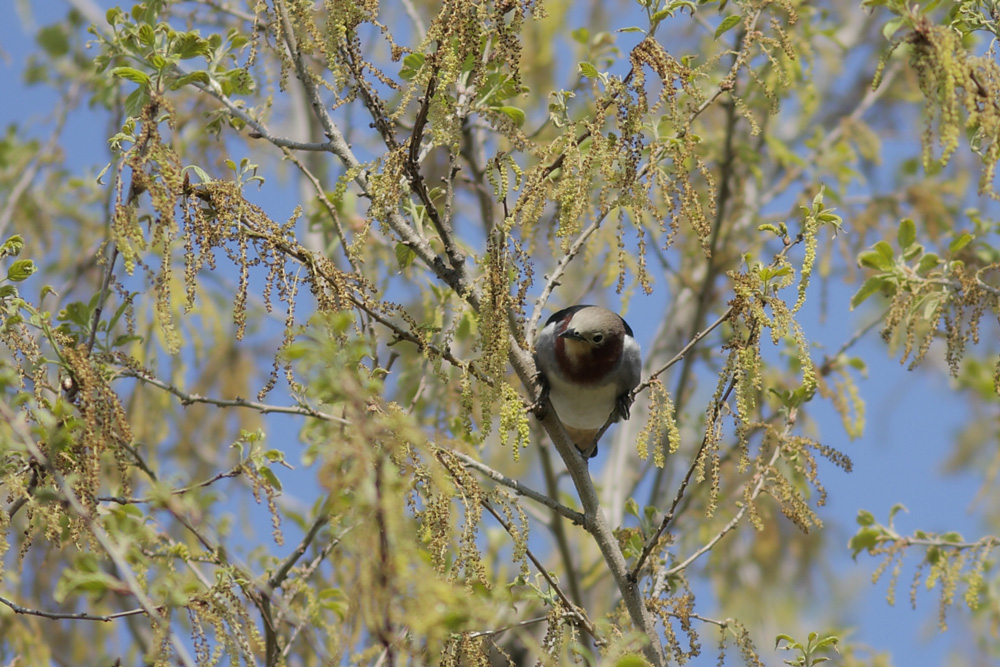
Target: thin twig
{"type": "Point", "coordinates": [109, 272]}
{"type": "Point", "coordinates": [226, 9]}
{"type": "Point", "coordinates": [279, 576]}
{"type": "Point", "coordinates": [683, 351]}
{"type": "Point", "coordinates": [418, 23]}
{"type": "Point", "coordinates": [124, 500]}
{"type": "Point", "coordinates": [578, 613]}
{"type": "Point", "coordinates": [75, 616]}
{"type": "Point", "coordinates": [520, 488]}
{"type": "Point", "coordinates": [552, 280]}
{"type": "Point", "coordinates": [491, 633]}
{"type": "Point", "coordinates": [830, 361]}
{"type": "Point", "coordinates": [558, 529]}
{"type": "Point", "coordinates": [759, 480]}
{"type": "Point", "coordinates": [263, 408]}
{"type": "Point", "coordinates": [28, 174]}
{"type": "Point", "coordinates": [271, 652]}
{"type": "Point", "coordinates": [654, 539]}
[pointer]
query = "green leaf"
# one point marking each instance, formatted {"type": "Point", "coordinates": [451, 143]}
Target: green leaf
{"type": "Point", "coordinates": [870, 260]}
{"type": "Point", "coordinates": [236, 82]}
{"type": "Point", "coordinates": [190, 45]}
{"type": "Point", "coordinates": [136, 102]}
{"type": "Point", "coordinates": [21, 270]}
{"type": "Point", "coordinates": [124, 339]}
{"type": "Point", "coordinates": [581, 35]}
{"type": "Point", "coordinates": [404, 255]}
{"type": "Point", "coordinates": [960, 242]}
{"type": "Point", "coordinates": [635, 544]}
{"type": "Point", "coordinates": [871, 286]}
{"type": "Point", "coordinates": [12, 246]}
{"type": "Point", "coordinates": [334, 600]}
{"type": "Point", "coordinates": [879, 257]}
{"type": "Point", "coordinates": [86, 576]}
{"type": "Point", "coordinates": [54, 40]}
{"type": "Point", "coordinates": [931, 305]}
{"type": "Point", "coordinates": [865, 518]}
{"type": "Point", "coordinates": [866, 539]}
{"type": "Point", "coordinates": [915, 250]}
{"type": "Point", "coordinates": [132, 74]}
{"type": "Point", "coordinates": [158, 62]}
{"type": "Point", "coordinates": [515, 114]}
{"type": "Point", "coordinates": [411, 66]}
{"type": "Point", "coordinates": [727, 24]}
{"type": "Point", "coordinates": [631, 660]}
{"type": "Point", "coordinates": [75, 312]}
{"type": "Point", "coordinates": [632, 507]}
{"type": "Point", "coordinates": [146, 34]}
{"type": "Point", "coordinates": [7, 290]}
{"type": "Point", "coordinates": [927, 262]}
{"type": "Point", "coordinates": [892, 26]}
{"type": "Point", "coordinates": [199, 172]}
{"type": "Point", "coordinates": [907, 233]}
{"type": "Point", "coordinates": [275, 456]}
{"type": "Point", "coordinates": [887, 253]}
{"type": "Point", "coordinates": [588, 70]}
{"type": "Point", "coordinates": [270, 477]}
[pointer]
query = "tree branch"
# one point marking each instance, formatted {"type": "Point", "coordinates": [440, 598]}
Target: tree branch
{"type": "Point", "coordinates": [263, 408]}
{"type": "Point", "coordinates": [123, 500]}
{"type": "Point", "coordinates": [74, 616]}
{"type": "Point", "coordinates": [758, 481]}
{"type": "Point", "coordinates": [517, 486]}
{"type": "Point", "coordinates": [578, 613]}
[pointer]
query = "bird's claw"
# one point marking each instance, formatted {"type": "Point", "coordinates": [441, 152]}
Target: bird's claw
{"type": "Point", "coordinates": [540, 407]}
{"type": "Point", "coordinates": [623, 406]}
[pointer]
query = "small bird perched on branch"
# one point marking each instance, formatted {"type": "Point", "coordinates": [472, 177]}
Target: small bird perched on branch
{"type": "Point", "coordinates": [588, 363]}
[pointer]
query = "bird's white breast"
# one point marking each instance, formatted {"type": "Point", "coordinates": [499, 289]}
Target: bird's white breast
{"type": "Point", "coordinates": [582, 407]}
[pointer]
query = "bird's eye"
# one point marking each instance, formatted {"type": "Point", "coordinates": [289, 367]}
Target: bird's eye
{"type": "Point", "coordinates": [598, 338]}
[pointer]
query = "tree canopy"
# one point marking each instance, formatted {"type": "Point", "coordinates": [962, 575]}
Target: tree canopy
{"type": "Point", "coordinates": [268, 394]}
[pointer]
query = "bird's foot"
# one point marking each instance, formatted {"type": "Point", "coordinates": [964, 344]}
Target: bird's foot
{"type": "Point", "coordinates": [540, 407]}
{"type": "Point", "coordinates": [623, 406]}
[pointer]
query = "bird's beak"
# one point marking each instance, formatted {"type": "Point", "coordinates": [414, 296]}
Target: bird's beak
{"type": "Point", "coordinates": [571, 333]}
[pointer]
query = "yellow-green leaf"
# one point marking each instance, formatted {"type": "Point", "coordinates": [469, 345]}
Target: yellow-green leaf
{"type": "Point", "coordinates": [727, 24]}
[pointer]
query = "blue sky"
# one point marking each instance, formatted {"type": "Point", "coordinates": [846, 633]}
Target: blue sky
{"type": "Point", "coordinates": [912, 416]}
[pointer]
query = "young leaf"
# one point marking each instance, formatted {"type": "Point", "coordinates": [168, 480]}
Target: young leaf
{"type": "Point", "coordinates": [514, 114]}
{"type": "Point", "coordinates": [871, 286]}
{"type": "Point", "coordinates": [12, 246]}
{"type": "Point", "coordinates": [907, 234]}
{"type": "Point", "coordinates": [404, 255]}
{"type": "Point", "coordinates": [727, 24]}
{"type": "Point", "coordinates": [21, 270]}
{"type": "Point", "coordinates": [960, 242]}
{"type": "Point", "coordinates": [132, 74]}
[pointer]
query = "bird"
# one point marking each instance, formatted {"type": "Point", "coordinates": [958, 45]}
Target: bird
{"type": "Point", "coordinates": [588, 363]}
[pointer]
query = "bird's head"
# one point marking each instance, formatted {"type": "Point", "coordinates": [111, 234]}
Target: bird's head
{"type": "Point", "coordinates": [589, 343]}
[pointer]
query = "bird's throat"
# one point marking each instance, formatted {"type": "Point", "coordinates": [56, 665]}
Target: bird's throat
{"type": "Point", "coordinates": [583, 363]}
